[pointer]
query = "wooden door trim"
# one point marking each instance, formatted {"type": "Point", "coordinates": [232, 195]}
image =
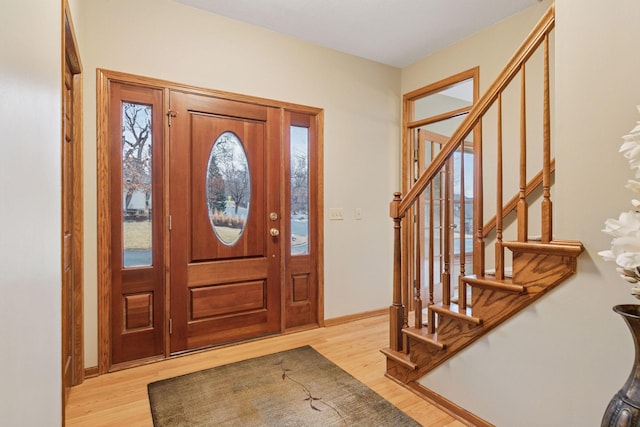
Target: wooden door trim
{"type": "Point", "coordinates": [104, 224]}
{"type": "Point", "coordinates": [195, 90]}
{"type": "Point", "coordinates": [78, 234]}
{"type": "Point", "coordinates": [70, 58]}
{"type": "Point", "coordinates": [103, 79]}
{"type": "Point", "coordinates": [320, 215]}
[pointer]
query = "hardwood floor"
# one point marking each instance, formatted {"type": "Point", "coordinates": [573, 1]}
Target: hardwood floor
{"type": "Point", "coordinates": [120, 398]}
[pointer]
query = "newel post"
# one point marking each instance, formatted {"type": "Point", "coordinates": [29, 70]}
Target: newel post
{"type": "Point", "coordinates": [396, 311]}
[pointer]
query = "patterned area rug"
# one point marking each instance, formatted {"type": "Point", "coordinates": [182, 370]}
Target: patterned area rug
{"type": "Point", "coordinates": [298, 387]}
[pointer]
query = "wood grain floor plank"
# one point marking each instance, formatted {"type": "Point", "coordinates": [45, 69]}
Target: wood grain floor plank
{"type": "Point", "coordinates": [120, 398]}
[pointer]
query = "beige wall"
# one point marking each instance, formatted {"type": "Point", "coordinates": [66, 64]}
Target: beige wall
{"type": "Point", "coordinates": [559, 362]}
{"type": "Point", "coordinates": [163, 39]}
{"type": "Point", "coordinates": [30, 89]}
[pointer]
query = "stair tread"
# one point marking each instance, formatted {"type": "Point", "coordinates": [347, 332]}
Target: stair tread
{"type": "Point", "coordinates": [557, 247]}
{"type": "Point", "coordinates": [453, 310]}
{"type": "Point", "coordinates": [491, 282]}
{"type": "Point", "coordinates": [400, 357]}
{"type": "Point", "coordinates": [423, 335]}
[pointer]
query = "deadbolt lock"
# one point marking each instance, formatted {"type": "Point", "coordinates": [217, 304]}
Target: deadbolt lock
{"type": "Point", "coordinates": [273, 216]}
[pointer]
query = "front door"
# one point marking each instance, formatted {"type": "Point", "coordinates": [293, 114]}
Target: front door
{"type": "Point", "coordinates": [224, 221]}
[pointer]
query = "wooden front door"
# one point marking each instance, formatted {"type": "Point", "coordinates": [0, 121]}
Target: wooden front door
{"type": "Point", "coordinates": [209, 218]}
{"type": "Point", "coordinates": [224, 198]}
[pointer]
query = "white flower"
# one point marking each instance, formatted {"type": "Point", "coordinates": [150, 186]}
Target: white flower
{"type": "Point", "coordinates": [627, 225]}
{"type": "Point", "coordinates": [627, 259]}
{"type": "Point", "coordinates": [625, 245]}
{"type": "Point", "coordinates": [633, 186]}
{"type": "Point", "coordinates": [631, 148]}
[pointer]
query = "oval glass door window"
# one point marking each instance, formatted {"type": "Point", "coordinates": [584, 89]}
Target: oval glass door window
{"type": "Point", "coordinates": [228, 188]}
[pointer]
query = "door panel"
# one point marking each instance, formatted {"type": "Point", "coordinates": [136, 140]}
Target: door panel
{"type": "Point", "coordinates": [301, 283]}
{"type": "Point", "coordinates": [137, 290]}
{"type": "Point", "coordinates": [206, 245]}
{"type": "Point", "coordinates": [223, 290]}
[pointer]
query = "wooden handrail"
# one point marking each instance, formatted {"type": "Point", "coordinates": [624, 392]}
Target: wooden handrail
{"type": "Point", "coordinates": [528, 47]}
{"type": "Point", "coordinates": [532, 185]}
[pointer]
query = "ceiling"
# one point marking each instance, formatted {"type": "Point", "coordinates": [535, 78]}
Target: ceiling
{"type": "Point", "coordinates": [392, 32]}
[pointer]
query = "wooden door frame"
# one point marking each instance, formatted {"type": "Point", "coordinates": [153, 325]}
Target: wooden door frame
{"type": "Point", "coordinates": [70, 54]}
{"type": "Point", "coordinates": [409, 125]}
{"type": "Point", "coordinates": [103, 79]}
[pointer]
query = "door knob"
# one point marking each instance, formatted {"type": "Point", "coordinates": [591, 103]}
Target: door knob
{"type": "Point", "coordinates": [274, 232]}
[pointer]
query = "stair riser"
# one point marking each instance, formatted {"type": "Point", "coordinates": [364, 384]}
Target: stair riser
{"type": "Point", "coordinates": [457, 335]}
{"type": "Point", "coordinates": [491, 303]}
{"type": "Point", "coordinates": [536, 271]}
{"type": "Point", "coordinates": [400, 372]}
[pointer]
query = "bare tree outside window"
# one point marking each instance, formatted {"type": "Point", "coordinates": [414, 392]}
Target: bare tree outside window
{"type": "Point", "coordinates": [299, 184]}
{"type": "Point", "coordinates": [231, 163]}
{"type": "Point", "coordinates": [136, 152]}
{"type": "Point", "coordinates": [136, 184]}
{"type": "Point", "coordinates": [228, 188]}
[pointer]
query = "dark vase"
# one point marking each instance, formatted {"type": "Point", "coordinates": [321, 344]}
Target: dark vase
{"type": "Point", "coordinates": [624, 408]}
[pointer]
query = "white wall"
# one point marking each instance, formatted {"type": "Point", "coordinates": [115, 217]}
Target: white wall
{"type": "Point", "coordinates": [559, 362]}
{"type": "Point", "coordinates": [30, 284]}
{"type": "Point", "coordinates": [361, 100]}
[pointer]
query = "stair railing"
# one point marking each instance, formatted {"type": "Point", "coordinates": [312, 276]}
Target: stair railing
{"type": "Point", "coordinates": [441, 166]}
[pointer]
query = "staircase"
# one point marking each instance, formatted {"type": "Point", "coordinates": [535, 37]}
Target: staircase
{"type": "Point", "coordinates": [471, 305]}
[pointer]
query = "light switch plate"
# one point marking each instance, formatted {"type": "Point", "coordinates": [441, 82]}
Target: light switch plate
{"type": "Point", "coordinates": [336, 214]}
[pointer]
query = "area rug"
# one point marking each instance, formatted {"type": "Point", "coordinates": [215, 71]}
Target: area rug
{"type": "Point", "coordinates": [298, 387]}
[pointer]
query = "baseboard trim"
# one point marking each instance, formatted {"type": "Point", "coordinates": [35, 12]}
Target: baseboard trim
{"type": "Point", "coordinates": [90, 372]}
{"type": "Point", "coordinates": [448, 406]}
{"type": "Point", "coordinates": [356, 316]}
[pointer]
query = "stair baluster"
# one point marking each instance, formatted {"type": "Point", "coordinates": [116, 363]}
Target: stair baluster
{"type": "Point", "coordinates": [447, 231]}
{"type": "Point", "coordinates": [431, 320]}
{"type": "Point", "coordinates": [523, 214]}
{"type": "Point", "coordinates": [462, 233]}
{"type": "Point", "coordinates": [396, 311]}
{"type": "Point", "coordinates": [499, 201]}
{"type": "Point", "coordinates": [478, 204]}
{"type": "Point", "coordinates": [547, 222]}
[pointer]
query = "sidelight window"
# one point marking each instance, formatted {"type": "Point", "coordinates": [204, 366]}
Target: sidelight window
{"type": "Point", "coordinates": [299, 190]}
{"type": "Point", "coordinates": [137, 220]}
